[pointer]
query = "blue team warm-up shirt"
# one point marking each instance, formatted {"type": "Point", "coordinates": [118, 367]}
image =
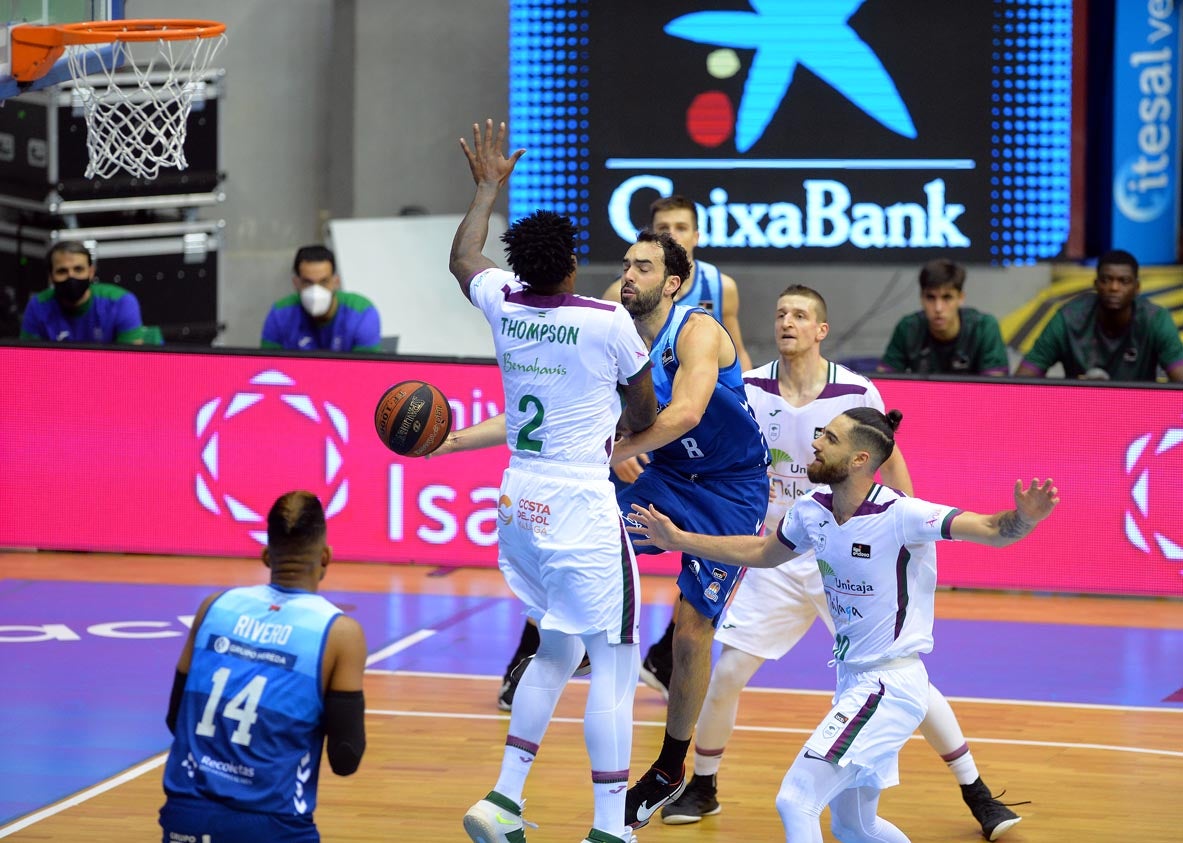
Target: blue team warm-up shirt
{"type": "Point", "coordinates": [249, 732]}
{"type": "Point", "coordinates": [111, 315]}
{"type": "Point", "coordinates": [707, 291]}
{"type": "Point", "coordinates": [355, 327]}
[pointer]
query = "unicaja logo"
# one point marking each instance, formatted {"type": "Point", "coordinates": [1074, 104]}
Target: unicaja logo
{"type": "Point", "coordinates": [1153, 470]}
{"type": "Point", "coordinates": [265, 439]}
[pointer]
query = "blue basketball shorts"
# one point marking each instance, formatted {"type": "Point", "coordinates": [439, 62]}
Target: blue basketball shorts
{"type": "Point", "coordinates": [200, 821]}
{"type": "Point", "coordinates": [733, 506]}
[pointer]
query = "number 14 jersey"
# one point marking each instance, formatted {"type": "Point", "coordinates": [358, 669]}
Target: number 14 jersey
{"type": "Point", "coordinates": [249, 731]}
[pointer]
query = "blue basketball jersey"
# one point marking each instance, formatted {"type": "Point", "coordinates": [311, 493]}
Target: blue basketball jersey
{"type": "Point", "coordinates": [727, 438]}
{"type": "Point", "coordinates": [706, 290]}
{"type": "Point", "coordinates": [249, 732]}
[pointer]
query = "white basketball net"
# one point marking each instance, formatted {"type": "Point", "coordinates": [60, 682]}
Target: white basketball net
{"type": "Point", "coordinates": [138, 125]}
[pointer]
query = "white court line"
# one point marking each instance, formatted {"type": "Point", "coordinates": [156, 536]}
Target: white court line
{"type": "Point", "coordinates": [787, 730]}
{"type": "Point", "coordinates": [398, 646]}
{"type": "Point", "coordinates": [815, 693]}
{"type": "Point", "coordinates": [90, 793]}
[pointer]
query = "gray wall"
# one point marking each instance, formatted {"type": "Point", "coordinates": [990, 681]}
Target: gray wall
{"type": "Point", "coordinates": [353, 108]}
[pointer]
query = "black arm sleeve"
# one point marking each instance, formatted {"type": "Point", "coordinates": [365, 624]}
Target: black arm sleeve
{"type": "Point", "coordinates": [174, 700]}
{"type": "Point", "coordinates": [345, 730]}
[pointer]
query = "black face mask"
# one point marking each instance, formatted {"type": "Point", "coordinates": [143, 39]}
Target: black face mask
{"type": "Point", "coordinates": [69, 292]}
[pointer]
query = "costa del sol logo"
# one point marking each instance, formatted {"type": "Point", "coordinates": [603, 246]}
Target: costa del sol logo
{"type": "Point", "coordinates": [1156, 474]}
{"type": "Point", "coordinates": [264, 440]}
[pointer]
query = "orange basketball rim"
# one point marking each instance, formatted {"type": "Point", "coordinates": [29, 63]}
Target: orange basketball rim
{"type": "Point", "coordinates": [35, 47]}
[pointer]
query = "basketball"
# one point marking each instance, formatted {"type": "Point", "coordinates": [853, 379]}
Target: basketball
{"type": "Point", "coordinates": [413, 418]}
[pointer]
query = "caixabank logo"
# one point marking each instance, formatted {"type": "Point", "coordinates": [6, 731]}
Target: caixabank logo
{"type": "Point", "coordinates": [1154, 468]}
{"type": "Point", "coordinates": [862, 130]}
{"type": "Point", "coordinates": [265, 439]}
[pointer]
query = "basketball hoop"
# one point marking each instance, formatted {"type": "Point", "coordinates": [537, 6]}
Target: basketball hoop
{"type": "Point", "coordinates": [138, 126]}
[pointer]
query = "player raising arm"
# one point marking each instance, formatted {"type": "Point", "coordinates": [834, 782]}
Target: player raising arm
{"type": "Point", "coordinates": [866, 534]}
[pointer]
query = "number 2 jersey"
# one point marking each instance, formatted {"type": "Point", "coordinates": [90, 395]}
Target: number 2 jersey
{"type": "Point", "coordinates": [249, 730]}
{"type": "Point", "coordinates": [562, 358]}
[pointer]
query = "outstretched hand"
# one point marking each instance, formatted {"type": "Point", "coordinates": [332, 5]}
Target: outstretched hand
{"type": "Point", "coordinates": [650, 528]}
{"type": "Point", "coordinates": [488, 164]}
{"type": "Point", "coordinates": [1036, 502]}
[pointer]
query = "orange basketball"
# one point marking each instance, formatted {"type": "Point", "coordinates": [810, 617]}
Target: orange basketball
{"type": "Point", "coordinates": [413, 418]}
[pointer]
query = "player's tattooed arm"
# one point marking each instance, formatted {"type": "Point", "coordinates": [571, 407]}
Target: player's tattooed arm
{"type": "Point", "coordinates": [1012, 526]}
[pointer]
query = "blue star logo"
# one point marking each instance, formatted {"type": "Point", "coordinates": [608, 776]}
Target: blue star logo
{"type": "Point", "coordinates": [784, 34]}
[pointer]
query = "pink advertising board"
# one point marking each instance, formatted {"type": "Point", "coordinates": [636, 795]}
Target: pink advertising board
{"type": "Point", "coordinates": [182, 453]}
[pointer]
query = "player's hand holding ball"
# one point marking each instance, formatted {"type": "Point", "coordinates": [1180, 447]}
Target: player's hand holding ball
{"type": "Point", "coordinates": [413, 418]}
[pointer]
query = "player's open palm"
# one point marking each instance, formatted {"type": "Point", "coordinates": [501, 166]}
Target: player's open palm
{"type": "Point", "coordinates": [1037, 501]}
{"type": "Point", "coordinates": [650, 528]}
{"type": "Point", "coordinates": [485, 158]}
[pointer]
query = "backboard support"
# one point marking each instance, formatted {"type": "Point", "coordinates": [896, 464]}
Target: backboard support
{"type": "Point", "coordinates": [17, 12]}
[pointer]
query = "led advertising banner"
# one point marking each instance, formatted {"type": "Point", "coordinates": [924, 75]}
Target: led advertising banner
{"type": "Point", "coordinates": [805, 130]}
{"type": "Point", "coordinates": [179, 453]}
{"type": "Point", "coordinates": [1146, 128]}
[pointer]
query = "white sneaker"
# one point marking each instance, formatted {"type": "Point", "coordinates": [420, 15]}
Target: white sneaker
{"type": "Point", "coordinates": [496, 819]}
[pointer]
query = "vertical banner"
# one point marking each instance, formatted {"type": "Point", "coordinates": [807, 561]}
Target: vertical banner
{"type": "Point", "coordinates": [1146, 127]}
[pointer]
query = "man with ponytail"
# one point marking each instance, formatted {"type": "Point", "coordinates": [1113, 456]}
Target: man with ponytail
{"type": "Point", "coordinates": [876, 549]}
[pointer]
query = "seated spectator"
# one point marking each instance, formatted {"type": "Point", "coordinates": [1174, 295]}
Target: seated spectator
{"type": "Point", "coordinates": [945, 338]}
{"type": "Point", "coordinates": [77, 308]}
{"type": "Point", "coordinates": [1110, 333]}
{"type": "Point", "coordinates": [320, 316]}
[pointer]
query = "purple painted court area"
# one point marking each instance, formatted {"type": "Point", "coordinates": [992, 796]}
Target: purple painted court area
{"type": "Point", "coordinates": [88, 667]}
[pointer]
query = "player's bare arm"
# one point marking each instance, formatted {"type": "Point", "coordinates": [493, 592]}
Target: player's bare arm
{"type": "Point", "coordinates": [649, 526]}
{"type": "Point", "coordinates": [730, 295]}
{"type": "Point", "coordinates": [640, 403]}
{"type": "Point", "coordinates": [613, 291]}
{"type": "Point", "coordinates": [1032, 505]}
{"type": "Point", "coordinates": [490, 170]}
{"type": "Point", "coordinates": [699, 349]}
{"type": "Point", "coordinates": [485, 434]}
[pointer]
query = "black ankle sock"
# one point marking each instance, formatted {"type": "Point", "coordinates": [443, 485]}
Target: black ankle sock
{"type": "Point", "coordinates": [527, 646]}
{"type": "Point", "coordinates": [673, 755]}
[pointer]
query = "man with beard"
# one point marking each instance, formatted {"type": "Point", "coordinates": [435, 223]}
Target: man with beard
{"type": "Point", "coordinates": [793, 397]}
{"type": "Point", "coordinates": [708, 470]}
{"type": "Point", "coordinates": [866, 534]}
{"type": "Point", "coordinates": [1110, 333]}
{"type": "Point", "coordinates": [76, 308]}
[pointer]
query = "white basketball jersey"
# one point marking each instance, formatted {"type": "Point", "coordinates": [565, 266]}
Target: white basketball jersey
{"type": "Point", "coordinates": [790, 431]}
{"type": "Point", "coordinates": [561, 358]}
{"type": "Point", "coordinates": [879, 569]}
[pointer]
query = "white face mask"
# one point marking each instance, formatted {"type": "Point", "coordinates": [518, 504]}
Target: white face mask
{"type": "Point", "coordinates": [316, 300]}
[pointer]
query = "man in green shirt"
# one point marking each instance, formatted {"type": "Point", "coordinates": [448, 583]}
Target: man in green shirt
{"type": "Point", "coordinates": [319, 315]}
{"type": "Point", "coordinates": [1110, 333]}
{"type": "Point", "coordinates": [945, 338]}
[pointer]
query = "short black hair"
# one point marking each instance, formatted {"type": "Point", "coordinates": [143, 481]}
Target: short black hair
{"type": "Point", "coordinates": [940, 272]}
{"type": "Point", "coordinates": [819, 303]}
{"type": "Point", "coordinates": [313, 254]}
{"type": "Point", "coordinates": [673, 255]}
{"type": "Point", "coordinates": [1118, 257]}
{"type": "Point", "coordinates": [540, 249]}
{"type": "Point", "coordinates": [68, 247]}
{"type": "Point", "coordinates": [296, 524]}
{"type": "Point", "coordinates": [874, 432]}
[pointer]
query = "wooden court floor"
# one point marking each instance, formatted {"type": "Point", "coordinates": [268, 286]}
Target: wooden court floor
{"type": "Point", "coordinates": [1091, 773]}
